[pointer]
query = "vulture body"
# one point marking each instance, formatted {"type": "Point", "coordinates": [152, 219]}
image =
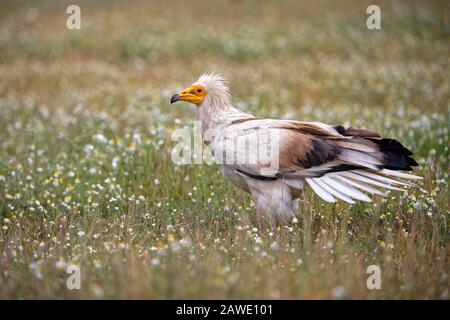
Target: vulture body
{"type": "Point", "coordinates": [274, 160]}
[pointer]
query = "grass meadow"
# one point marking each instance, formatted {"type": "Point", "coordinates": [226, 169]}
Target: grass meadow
{"type": "Point", "coordinates": [86, 176]}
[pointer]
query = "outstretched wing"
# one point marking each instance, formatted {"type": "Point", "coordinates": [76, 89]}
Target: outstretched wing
{"type": "Point", "coordinates": [336, 162]}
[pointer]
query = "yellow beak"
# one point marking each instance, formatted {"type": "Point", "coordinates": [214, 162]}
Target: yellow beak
{"type": "Point", "coordinates": [193, 94]}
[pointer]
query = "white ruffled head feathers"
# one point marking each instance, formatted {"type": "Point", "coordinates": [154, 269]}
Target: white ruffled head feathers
{"type": "Point", "coordinates": [216, 87]}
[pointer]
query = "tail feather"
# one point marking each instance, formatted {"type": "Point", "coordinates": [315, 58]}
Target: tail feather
{"type": "Point", "coordinates": [361, 185]}
{"type": "Point", "coordinates": [348, 185]}
{"type": "Point", "coordinates": [398, 157]}
{"type": "Point", "coordinates": [334, 191]}
{"type": "Point", "coordinates": [365, 162]}
{"type": "Point", "coordinates": [400, 174]}
{"type": "Point", "coordinates": [346, 188]}
{"type": "Point", "coordinates": [354, 176]}
{"type": "Point", "coordinates": [383, 179]}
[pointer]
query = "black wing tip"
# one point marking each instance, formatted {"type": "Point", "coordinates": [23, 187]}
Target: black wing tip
{"type": "Point", "coordinates": [398, 157]}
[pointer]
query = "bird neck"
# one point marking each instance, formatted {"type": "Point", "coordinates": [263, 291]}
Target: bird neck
{"type": "Point", "coordinates": [215, 113]}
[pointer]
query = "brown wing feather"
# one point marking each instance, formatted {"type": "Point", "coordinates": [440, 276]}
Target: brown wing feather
{"type": "Point", "coordinates": [305, 146]}
{"type": "Point", "coordinates": [356, 132]}
{"type": "Point", "coordinates": [301, 151]}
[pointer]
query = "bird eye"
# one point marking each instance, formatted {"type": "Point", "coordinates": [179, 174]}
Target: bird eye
{"type": "Point", "coordinates": [199, 90]}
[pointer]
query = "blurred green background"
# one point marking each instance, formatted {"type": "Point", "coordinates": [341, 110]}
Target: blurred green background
{"type": "Point", "coordinates": [85, 170]}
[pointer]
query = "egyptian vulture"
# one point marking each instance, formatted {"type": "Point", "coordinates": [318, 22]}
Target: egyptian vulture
{"type": "Point", "coordinates": [274, 160]}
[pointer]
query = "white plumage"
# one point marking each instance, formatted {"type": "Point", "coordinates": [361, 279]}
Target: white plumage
{"type": "Point", "coordinates": [336, 162]}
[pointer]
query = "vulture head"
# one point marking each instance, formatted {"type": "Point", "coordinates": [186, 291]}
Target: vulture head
{"type": "Point", "coordinates": [210, 88]}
